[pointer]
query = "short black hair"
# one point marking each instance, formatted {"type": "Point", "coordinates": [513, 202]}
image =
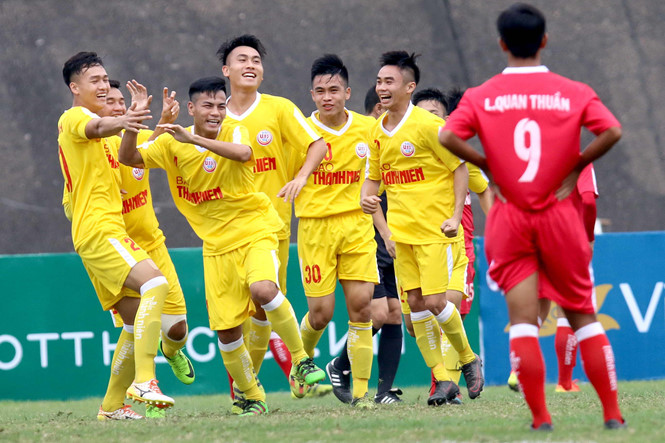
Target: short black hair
{"type": "Point", "coordinates": [79, 63]}
{"type": "Point", "coordinates": [210, 85]}
{"type": "Point", "coordinates": [371, 99]}
{"type": "Point", "coordinates": [521, 28]}
{"type": "Point", "coordinates": [330, 64]}
{"type": "Point", "coordinates": [453, 96]}
{"type": "Point", "coordinates": [430, 94]}
{"type": "Point", "coordinates": [244, 40]}
{"type": "Point", "coordinates": [114, 84]}
{"type": "Point", "coordinates": [404, 61]}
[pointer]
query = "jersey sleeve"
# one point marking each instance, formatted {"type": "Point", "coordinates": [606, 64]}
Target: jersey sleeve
{"type": "Point", "coordinates": [77, 120]}
{"type": "Point", "coordinates": [373, 169]}
{"type": "Point", "coordinates": [462, 121]}
{"type": "Point", "coordinates": [596, 117]}
{"type": "Point", "coordinates": [296, 131]}
{"type": "Point", "coordinates": [431, 133]}
{"type": "Point", "coordinates": [478, 182]}
{"type": "Point", "coordinates": [155, 153]}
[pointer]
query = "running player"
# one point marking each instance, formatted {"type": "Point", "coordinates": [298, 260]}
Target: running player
{"type": "Point", "coordinates": [425, 185]}
{"type": "Point", "coordinates": [335, 237]}
{"type": "Point", "coordinates": [534, 227]}
{"type": "Point", "coordinates": [276, 127]}
{"type": "Point", "coordinates": [142, 226]}
{"type": "Point", "coordinates": [386, 311]}
{"type": "Point", "coordinates": [209, 169]}
{"type": "Point", "coordinates": [112, 258]}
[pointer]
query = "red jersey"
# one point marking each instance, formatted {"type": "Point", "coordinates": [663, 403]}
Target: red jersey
{"type": "Point", "coordinates": [586, 182]}
{"type": "Point", "coordinates": [528, 121]}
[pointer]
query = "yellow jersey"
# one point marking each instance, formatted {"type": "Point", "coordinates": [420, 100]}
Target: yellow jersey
{"type": "Point", "coordinates": [478, 181]}
{"type": "Point", "coordinates": [137, 210]}
{"type": "Point", "coordinates": [216, 195]}
{"type": "Point", "coordinates": [334, 187]}
{"type": "Point", "coordinates": [418, 175]}
{"type": "Point", "coordinates": [275, 126]}
{"type": "Point", "coordinates": [92, 179]}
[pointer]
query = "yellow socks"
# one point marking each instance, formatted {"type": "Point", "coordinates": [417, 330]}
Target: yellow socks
{"type": "Point", "coordinates": [451, 323]}
{"type": "Point", "coordinates": [310, 336]}
{"type": "Point", "coordinates": [257, 342]}
{"type": "Point", "coordinates": [283, 320]}
{"type": "Point", "coordinates": [361, 354]}
{"type": "Point", "coordinates": [428, 339]}
{"type": "Point", "coordinates": [450, 359]}
{"type": "Point", "coordinates": [122, 371]}
{"type": "Point", "coordinates": [147, 327]}
{"type": "Point", "coordinates": [239, 365]}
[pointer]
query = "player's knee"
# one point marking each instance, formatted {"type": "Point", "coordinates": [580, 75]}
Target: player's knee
{"type": "Point", "coordinates": [263, 291]}
{"type": "Point", "coordinates": [174, 326]}
{"type": "Point", "coordinates": [320, 318]}
{"type": "Point", "coordinates": [379, 318]}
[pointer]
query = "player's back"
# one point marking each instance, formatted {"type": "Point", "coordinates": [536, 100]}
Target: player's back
{"type": "Point", "coordinates": [529, 121]}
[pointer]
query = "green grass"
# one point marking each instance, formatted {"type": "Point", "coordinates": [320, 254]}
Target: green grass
{"type": "Point", "coordinates": [500, 415]}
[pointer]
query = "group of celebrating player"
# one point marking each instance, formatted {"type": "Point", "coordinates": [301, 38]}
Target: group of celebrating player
{"type": "Point", "coordinates": [235, 173]}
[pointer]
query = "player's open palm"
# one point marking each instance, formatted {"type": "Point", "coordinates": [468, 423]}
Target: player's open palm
{"type": "Point", "coordinates": [133, 118]}
{"type": "Point", "coordinates": [177, 131]}
{"type": "Point", "coordinates": [139, 94]}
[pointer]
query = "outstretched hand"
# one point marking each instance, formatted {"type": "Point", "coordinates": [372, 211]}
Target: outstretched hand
{"type": "Point", "coordinates": [139, 95]}
{"type": "Point", "coordinates": [178, 132]}
{"type": "Point", "coordinates": [291, 190]}
{"type": "Point", "coordinates": [133, 118]}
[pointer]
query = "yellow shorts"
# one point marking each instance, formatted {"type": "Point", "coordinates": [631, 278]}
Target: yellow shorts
{"type": "Point", "coordinates": [108, 256]}
{"type": "Point", "coordinates": [337, 247]}
{"type": "Point", "coordinates": [284, 246]}
{"type": "Point", "coordinates": [175, 299]}
{"type": "Point", "coordinates": [228, 277]}
{"type": "Point", "coordinates": [434, 268]}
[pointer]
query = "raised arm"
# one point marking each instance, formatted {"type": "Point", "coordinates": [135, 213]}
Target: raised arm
{"type": "Point", "coordinates": [315, 153]}
{"type": "Point", "coordinates": [108, 126]}
{"type": "Point", "coordinates": [232, 151]}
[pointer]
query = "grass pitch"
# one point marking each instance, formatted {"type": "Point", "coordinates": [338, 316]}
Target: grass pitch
{"type": "Point", "coordinates": [499, 415]}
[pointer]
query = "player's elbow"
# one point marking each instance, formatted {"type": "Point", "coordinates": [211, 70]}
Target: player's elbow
{"type": "Point", "coordinates": [615, 133]}
{"type": "Point", "coordinates": [244, 154]}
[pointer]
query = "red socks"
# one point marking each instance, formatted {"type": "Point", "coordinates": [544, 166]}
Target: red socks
{"type": "Point", "coordinates": [281, 353]}
{"type": "Point", "coordinates": [526, 360]}
{"type": "Point", "coordinates": [565, 344]}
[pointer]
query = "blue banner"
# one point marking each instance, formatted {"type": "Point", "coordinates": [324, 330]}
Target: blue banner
{"type": "Point", "coordinates": [629, 278]}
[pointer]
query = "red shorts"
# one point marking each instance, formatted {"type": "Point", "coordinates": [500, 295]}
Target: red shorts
{"type": "Point", "coordinates": [465, 306]}
{"type": "Point", "coordinates": [552, 241]}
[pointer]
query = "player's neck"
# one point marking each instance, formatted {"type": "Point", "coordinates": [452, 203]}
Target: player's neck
{"type": "Point", "coordinates": [515, 62]}
{"type": "Point", "coordinates": [395, 115]}
{"type": "Point", "coordinates": [77, 102]}
{"type": "Point", "coordinates": [241, 100]}
{"type": "Point", "coordinates": [334, 121]}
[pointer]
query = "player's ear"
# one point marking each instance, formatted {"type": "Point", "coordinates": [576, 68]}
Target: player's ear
{"type": "Point", "coordinates": [503, 45]}
{"type": "Point", "coordinates": [225, 70]}
{"type": "Point", "coordinates": [74, 88]}
{"type": "Point", "coordinates": [347, 93]}
{"type": "Point", "coordinates": [543, 42]}
{"type": "Point", "coordinates": [190, 108]}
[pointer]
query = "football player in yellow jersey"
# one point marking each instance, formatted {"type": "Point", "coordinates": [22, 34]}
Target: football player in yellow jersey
{"type": "Point", "coordinates": [209, 169]}
{"type": "Point", "coordinates": [276, 126]}
{"type": "Point", "coordinates": [426, 185]}
{"type": "Point", "coordinates": [111, 257]}
{"type": "Point", "coordinates": [335, 237]}
{"type": "Point", "coordinates": [142, 226]}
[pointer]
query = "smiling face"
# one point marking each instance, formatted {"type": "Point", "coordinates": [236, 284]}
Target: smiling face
{"type": "Point", "coordinates": [208, 110]}
{"type": "Point", "coordinates": [244, 68]}
{"type": "Point", "coordinates": [90, 88]}
{"type": "Point", "coordinates": [330, 94]}
{"type": "Point", "coordinates": [393, 88]}
{"type": "Point", "coordinates": [115, 104]}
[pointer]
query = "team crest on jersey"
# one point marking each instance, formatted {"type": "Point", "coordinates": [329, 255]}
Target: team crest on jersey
{"type": "Point", "coordinates": [264, 137]}
{"type": "Point", "coordinates": [361, 150]}
{"type": "Point", "coordinates": [407, 149]}
{"type": "Point", "coordinates": [138, 173]}
{"type": "Point", "coordinates": [209, 164]}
